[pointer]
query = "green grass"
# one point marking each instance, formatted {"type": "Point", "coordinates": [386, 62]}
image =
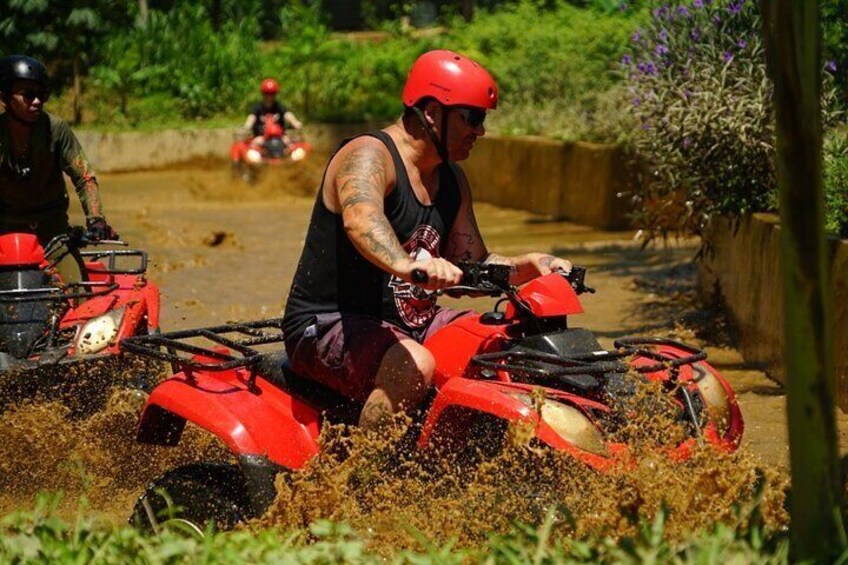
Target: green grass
{"type": "Point", "coordinates": [40, 536]}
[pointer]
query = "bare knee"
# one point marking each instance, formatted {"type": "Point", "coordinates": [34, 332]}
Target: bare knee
{"type": "Point", "coordinates": [405, 374]}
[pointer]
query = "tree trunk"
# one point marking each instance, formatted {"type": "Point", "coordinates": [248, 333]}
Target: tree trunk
{"type": "Point", "coordinates": [792, 34]}
{"type": "Point", "coordinates": [467, 9]}
{"type": "Point", "coordinates": [142, 12]}
{"type": "Point", "coordinates": [77, 92]}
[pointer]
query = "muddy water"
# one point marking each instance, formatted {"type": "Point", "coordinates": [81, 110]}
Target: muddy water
{"type": "Point", "coordinates": [222, 250]}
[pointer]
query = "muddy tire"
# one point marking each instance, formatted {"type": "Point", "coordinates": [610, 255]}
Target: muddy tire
{"type": "Point", "coordinates": [189, 497]}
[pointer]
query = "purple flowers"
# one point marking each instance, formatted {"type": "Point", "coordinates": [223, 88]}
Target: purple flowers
{"type": "Point", "coordinates": [663, 36]}
{"type": "Point", "coordinates": [830, 66]}
{"type": "Point", "coordinates": [742, 44]}
{"type": "Point", "coordinates": [735, 7]}
{"type": "Point", "coordinates": [683, 11]}
{"type": "Point", "coordinates": [626, 60]}
{"type": "Point", "coordinates": [636, 37]}
{"type": "Point", "coordinates": [660, 49]}
{"type": "Point", "coordinates": [727, 57]}
{"type": "Point", "coordinates": [698, 4]}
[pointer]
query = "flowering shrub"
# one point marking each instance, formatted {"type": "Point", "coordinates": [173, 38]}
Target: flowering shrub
{"type": "Point", "coordinates": [703, 103]}
{"type": "Point", "coordinates": [836, 182]}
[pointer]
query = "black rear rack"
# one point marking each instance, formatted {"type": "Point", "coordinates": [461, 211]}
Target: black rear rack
{"type": "Point", "coordinates": [173, 347]}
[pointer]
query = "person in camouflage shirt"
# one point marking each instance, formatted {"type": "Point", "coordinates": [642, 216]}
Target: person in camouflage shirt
{"type": "Point", "coordinates": [35, 149]}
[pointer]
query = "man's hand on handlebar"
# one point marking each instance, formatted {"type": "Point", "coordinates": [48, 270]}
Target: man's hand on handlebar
{"type": "Point", "coordinates": [547, 264]}
{"type": "Point", "coordinates": [432, 274]}
{"type": "Point", "coordinates": [98, 230]}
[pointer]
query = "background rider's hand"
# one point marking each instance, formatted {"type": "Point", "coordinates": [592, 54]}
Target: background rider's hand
{"type": "Point", "coordinates": [441, 273]}
{"type": "Point", "coordinates": [546, 264]}
{"type": "Point", "coordinates": [97, 230]}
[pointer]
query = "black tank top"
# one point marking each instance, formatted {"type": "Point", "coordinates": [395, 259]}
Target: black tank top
{"type": "Point", "coordinates": [332, 276]}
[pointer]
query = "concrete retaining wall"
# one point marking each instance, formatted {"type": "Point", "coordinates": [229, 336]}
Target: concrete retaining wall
{"type": "Point", "coordinates": [574, 181]}
{"type": "Point", "coordinates": [744, 268]}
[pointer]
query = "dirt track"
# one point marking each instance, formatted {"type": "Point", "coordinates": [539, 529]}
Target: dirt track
{"type": "Point", "coordinates": [221, 250]}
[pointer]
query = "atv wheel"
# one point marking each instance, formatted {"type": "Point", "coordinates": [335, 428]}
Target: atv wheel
{"type": "Point", "coordinates": [189, 497]}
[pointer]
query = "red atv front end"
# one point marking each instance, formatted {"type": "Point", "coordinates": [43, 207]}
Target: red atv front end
{"type": "Point", "coordinates": [51, 331]}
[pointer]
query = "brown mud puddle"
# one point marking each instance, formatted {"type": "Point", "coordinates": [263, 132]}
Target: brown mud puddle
{"type": "Point", "coordinates": [222, 250]}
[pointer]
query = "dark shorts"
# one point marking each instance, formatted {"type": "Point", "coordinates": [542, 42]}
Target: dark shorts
{"type": "Point", "coordinates": [344, 351]}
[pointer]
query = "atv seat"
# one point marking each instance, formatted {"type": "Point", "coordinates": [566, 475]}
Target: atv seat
{"type": "Point", "coordinates": [275, 368]}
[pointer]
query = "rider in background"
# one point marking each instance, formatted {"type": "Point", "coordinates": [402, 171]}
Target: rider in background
{"type": "Point", "coordinates": [255, 122]}
{"type": "Point", "coordinates": [35, 148]}
{"type": "Point", "coordinates": [394, 202]}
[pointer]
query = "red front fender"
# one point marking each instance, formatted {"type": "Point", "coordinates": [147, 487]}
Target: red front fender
{"type": "Point", "coordinates": [267, 421]}
{"type": "Point", "coordinates": [493, 398]}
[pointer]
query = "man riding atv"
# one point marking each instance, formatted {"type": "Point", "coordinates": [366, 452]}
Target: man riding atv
{"type": "Point", "coordinates": [35, 148]}
{"type": "Point", "coordinates": [395, 209]}
{"type": "Point", "coordinates": [255, 122]}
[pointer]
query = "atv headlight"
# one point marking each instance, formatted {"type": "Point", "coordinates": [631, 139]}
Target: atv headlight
{"type": "Point", "coordinates": [298, 154]}
{"type": "Point", "coordinates": [715, 397]}
{"type": "Point", "coordinates": [570, 424]}
{"type": "Point", "coordinates": [253, 156]}
{"type": "Point", "coordinates": [97, 333]}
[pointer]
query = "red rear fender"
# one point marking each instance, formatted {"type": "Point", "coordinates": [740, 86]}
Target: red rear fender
{"type": "Point", "coordinates": [268, 422]}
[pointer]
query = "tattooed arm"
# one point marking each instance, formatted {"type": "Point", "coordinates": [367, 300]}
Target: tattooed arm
{"type": "Point", "coordinates": [75, 164]}
{"type": "Point", "coordinates": [361, 178]}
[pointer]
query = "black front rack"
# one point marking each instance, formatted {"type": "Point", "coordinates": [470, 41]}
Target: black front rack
{"type": "Point", "coordinates": [112, 255]}
{"type": "Point", "coordinates": [173, 347]}
{"type": "Point", "coordinates": [574, 368]}
{"type": "Point", "coordinates": [87, 289]}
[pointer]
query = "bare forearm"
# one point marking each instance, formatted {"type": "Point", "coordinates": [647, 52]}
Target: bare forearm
{"type": "Point", "coordinates": [523, 267]}
{"type": "Point", "coordinates": [373, 236]}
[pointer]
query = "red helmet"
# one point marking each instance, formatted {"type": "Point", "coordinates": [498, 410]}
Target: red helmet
{"type": "Point", "coordinates": [269, 86]}
{"type": "Point", "coordinates": [452, 79]}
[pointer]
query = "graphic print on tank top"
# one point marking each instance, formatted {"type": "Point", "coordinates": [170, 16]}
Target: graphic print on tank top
{"type": "Point", "coordinates": [416, 306]}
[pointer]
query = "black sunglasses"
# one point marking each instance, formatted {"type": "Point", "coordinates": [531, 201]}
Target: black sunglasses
{"type": "Point", "coordinates": [474, 117]}
{"type": "Point", "coordinates": [30, 94]}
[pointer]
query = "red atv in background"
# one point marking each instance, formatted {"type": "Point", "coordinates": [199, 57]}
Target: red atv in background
{"type": "Point", "coordinates": [490, 370]}
{"type": "Point", "coordinates": [52, 331]}
{"type": "Point", "coordinates": [248, 157]}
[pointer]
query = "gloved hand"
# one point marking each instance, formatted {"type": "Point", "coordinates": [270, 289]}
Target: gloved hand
{"type": "Point", "coordinates": [98, 229]}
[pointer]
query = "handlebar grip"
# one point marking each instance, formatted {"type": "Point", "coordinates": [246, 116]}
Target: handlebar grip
{"type": "Point", "coordinates": [419, 276]}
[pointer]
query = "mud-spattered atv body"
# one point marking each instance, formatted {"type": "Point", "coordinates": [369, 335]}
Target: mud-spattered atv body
{"type": "Point", "coordinates": [52, 332]}
{"type": "Point", "coordinates": [248, 159]}
{"type": "Point", "coordinates": [491, 366]}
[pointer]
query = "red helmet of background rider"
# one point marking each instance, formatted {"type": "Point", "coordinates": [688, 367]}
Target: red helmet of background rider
{"type": "Point", "coordinates": [269, 86]}
{"type": "Point", "coordinates": [452, 79]}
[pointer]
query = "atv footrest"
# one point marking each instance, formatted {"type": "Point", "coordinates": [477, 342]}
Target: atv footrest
{"type": "Point", "coordinates": [239, 338]}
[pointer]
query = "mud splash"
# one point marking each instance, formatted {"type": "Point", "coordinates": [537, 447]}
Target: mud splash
{"type": "Point", "coordinates": [44, 447]}
{"type": "Point", "coordinates": [392, 495]}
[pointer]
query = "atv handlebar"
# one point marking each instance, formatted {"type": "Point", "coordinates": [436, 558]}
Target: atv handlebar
{"type": "Point", "coordinates": [493, 279]}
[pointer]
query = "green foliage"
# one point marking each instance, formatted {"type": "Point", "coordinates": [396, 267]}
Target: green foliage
{"type": "Point", "coordinates": [836, 182]}
{"type": "Point", "coordinates": [704, 105]}
{"type": "Point", "coordinates": [835, 28]}
{"type": "Point", "coordinates": [703, 101]}
{"type": "Point", "coordinates": [555, 73]}
{"type": "Point", "coordinates": [180, 54]}
{"type": "Point", "coordinates": [39, 536]}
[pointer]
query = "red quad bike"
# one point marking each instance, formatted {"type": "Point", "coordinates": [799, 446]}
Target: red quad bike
{"type": "Point", "coordinates": [51, 333]}
{"type": "Point", "coordinates": [489, 369]}
{"type": "Point", "coordinates": [247, 159]}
